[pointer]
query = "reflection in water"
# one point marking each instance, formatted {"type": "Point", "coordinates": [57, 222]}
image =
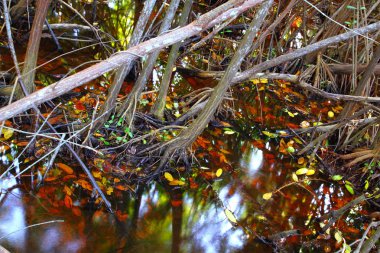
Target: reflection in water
{"type": "Point", "coordinates": [252, 160]}
{"type": "Point", "coordinates": [12, 215]}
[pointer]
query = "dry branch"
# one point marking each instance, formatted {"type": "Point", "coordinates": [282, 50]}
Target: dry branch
{"type": "Point", "coordinates": [208, 20]}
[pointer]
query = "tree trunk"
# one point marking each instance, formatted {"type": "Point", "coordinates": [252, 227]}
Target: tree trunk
{"type": "Point", "coordinates": [29, 70]}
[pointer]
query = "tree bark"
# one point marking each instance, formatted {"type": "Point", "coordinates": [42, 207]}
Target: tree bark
{"type": "Point", "coordinates": [188, 136]}
{"type": "Point", "coordinates": [29, 70]}
{"type": "Point", "coordinates": [159, 105]}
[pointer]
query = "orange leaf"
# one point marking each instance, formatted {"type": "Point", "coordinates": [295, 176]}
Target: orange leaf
{"type": "Point", "coordinates": [121, 187]}
{"type": "Point", "coordinates": [68, 201]}
{"type": "Point", "coordinates": [65, 168]}
{"type": "Point", "coordinates": [76, 211]}
{"type": "Point", "coordinates": [84, 184]}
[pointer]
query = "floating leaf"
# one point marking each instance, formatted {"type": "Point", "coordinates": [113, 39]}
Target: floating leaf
{"type": "Point", "coordinates": [304, 124]}
{"type": "Point", "coordinates": [349, 188]}
{"type": "Point", "coordinates": [84, 184]}
{"type": "Point", "coordinates": [337, 177]}
{"type": "Point", "coordinates": [97, 174]}
{"type": "Point", "coordinates": [301, 160]}
{"type": "Point", "coordinates": [219, 172]}
{"type": "Point", "coordinates": [290, 114]}
{"type": "Point", "coordinates": [366, 185]}
{"type": "Point", "coordinates": [269, 134]}
{"type": "Point", "coordinates": [230, 216]}
{"type": "Point", "coordinates": [330, 114]}
{"type": "Point", "coordinates": [302, 171]}
{"type": "Point", "coordinates": [67, 190]}
{"type": "Point", "coordinates": [291, 149]}
{"type": "Point", "coordinates": [65, 168]}
{"type": "Point", "coordinates": [338, 236]}
{"type": "Point", "coordinates": [109, 190]}
{"type": "Point", "coordinates": [176, 182]}
{"type": "Point", "coordinates": [8, 133]}
{"type": "Point", "coordinates": [267, 196]}
{"type": "Point", "coordinates": [68, 201]}
{"type": "Point", "coordinates": [347, 248]}
{"type": "Point", "coordinates": [168, 176]}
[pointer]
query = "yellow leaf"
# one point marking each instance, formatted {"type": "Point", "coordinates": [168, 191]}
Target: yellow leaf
{"type": "Point", "coordinates": [255, 81]}
{"type": "Point", "coordinates": [263, 80]}
{"type": "Point", "coordinates": [219, 172]}
{"type": "Point", "coordinates": [294, 177]}
{"type": "Point", "coordinates": [109, 190]}
{"type": "Point", "coordinates": [267, 196]}
{"type": "Point", "coordinates": [291, 114]}
{"type": "Point", "coordinates": [310, 172]}
{"type": "Point", "coordinates": [302, 171]}
{"type": "Point", "coordinates": [7, 132]}
{"type": "Point", "coordinates": [97, 174]}
{"type": "Point", "coordinates": [230, 216]}
{"type": "Point", "coordinates": [168, 176]}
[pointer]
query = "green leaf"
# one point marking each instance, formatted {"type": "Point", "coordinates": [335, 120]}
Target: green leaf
{"type": "Point", "coordinates": [350, 7]}
{"type": "Point", "coordinates": [337, 177]}
{"type": "Point", "coordinates": [349, 189]}
{"type": "Point", "coordinates": [291, 149]}
{"type": "Point", "coordinates": [366, 185]}
{"type": "Point", "coordinates": [269, 134]}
